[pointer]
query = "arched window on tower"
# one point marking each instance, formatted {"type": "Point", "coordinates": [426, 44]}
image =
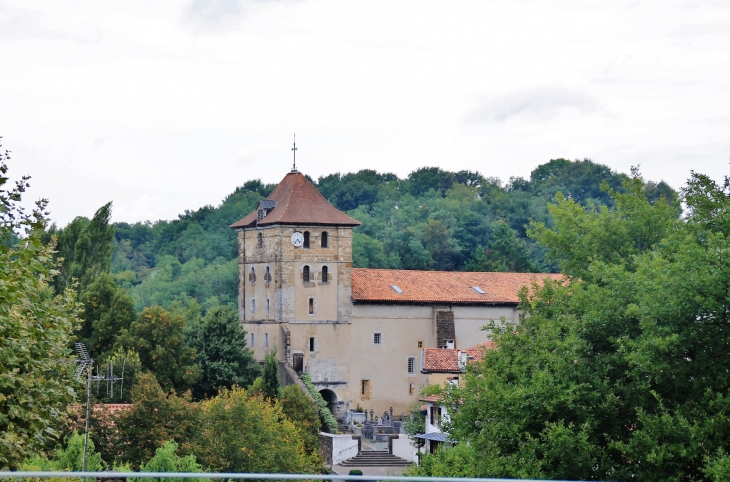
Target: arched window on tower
{"type": "Point", "coordinates": [306, 239]}
{"type": "Point", "coordinates": [260, 241]}
{"type": "Point", "coordinates": [305, 274]}
{"type": "Point", "coordinates": [267, 276]}
{"type": "Point", "coordinates": [325, 274]}
{"type": "Point", "coordinates": [323, 242]}
{"type": "Point", "coordinates": [252, 276]}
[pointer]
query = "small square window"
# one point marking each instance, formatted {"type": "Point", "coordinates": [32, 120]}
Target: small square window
{"type": "Point", "coordinates": [420, 344]}
{"type": "Point", "coordinates": [377, 338]}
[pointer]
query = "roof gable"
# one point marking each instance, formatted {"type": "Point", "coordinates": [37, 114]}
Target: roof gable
{"type": "Point", "coordinates": [296, 201]}
{"type": "Point", "coordinates": [453, 287]}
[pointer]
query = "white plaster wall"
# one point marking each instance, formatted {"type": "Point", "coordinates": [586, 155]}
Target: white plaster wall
{"type": "Point", "coordinates": [444, 418]}
{"type": "Point", "coordinates": [343, 447]}
{"type": "Point", "coordinates": [402, 448]}
{"type": "Point", "coordinates": [469, 320]}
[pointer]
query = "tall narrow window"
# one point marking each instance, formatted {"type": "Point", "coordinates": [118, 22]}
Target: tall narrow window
{"type": "Point", "coordinates": [306, 239]}
{"type": "Point", "coordinates": [311, 306]}
{"type": "Point", "coordinates": [305, 274]}
{"type": "Point", "coordinates": [253, 307]}
{"type": "Point", "coordinates": [252, 275]}
{"type": "Point", "coordinates": [366, 390]}
{"type": "Point", "coordinates": [252, 340]}
{"type": "Point", "coordinates": [311, 343]}
{"type": "Point", "coordinates": [260, 241]}
{"type": "Point", "coordinates": [324, 239]}
{"type": "Point", "coordinates": [411, 365]}
{"type": "Point", "coordinates": [266, 340]}
{"type": "Point", "coordinates": [267, 276]}
{"type": "Point", "coordinates": [267, 307]}
{"type": "Point", "coordinates": [325, 274]}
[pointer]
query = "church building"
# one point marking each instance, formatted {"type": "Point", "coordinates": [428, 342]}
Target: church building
{"type": "Point", "coordinates": [360, 333]}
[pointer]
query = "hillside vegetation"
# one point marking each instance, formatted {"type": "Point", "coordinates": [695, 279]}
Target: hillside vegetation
{"type": "Point", "coordinates": [432, 220]}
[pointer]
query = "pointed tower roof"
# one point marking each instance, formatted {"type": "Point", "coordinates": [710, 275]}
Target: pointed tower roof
{"type": "Point", "coordinates": [295, 201]}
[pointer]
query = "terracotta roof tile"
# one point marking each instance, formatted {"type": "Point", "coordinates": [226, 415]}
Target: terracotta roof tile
{"type": "Point", "coordinates": [298, 202]}
{"type": "Point", "coordinates": [440, 286]}
{"type": "Point", "coordinates": [447, 359]}
{"type": "Point", "coordinates": [441, 360]}
{"type": "Point", "coordinates": [432, 398]}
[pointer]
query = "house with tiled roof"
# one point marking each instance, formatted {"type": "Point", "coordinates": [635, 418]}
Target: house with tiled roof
{"type": "Point", "coordinates": [365, 336]}
{"type": "Point", "coordinates": [445, 365]}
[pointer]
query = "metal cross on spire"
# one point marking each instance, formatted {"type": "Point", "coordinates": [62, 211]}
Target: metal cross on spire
{"type": "Point", "coordinates": [294, 150]}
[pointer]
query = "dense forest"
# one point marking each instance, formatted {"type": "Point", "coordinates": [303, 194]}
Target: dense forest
{"type": "Point", "coordinates": [432, 220]}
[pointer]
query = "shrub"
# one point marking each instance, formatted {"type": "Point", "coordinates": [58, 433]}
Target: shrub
{"type": "Point", "coordinates": [328, 420]}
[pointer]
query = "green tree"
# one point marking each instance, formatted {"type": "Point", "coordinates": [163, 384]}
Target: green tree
{"type": "Point", "coordinates": [70, 458]}
{"type": "Point", "coordinates": [506, 253]}
{"type": "Point", "coordinates": [618, 372]}
{"type": "Point", "coordinates": [108, 312]}
{"type": "Point", "coordinates": [36, 387]}
{"type": "Point", "coordinates": [270, 378]}
{"type": "Point", "coordinates": [167, 460]}
{"type": "Point", "coordinates": [86, 249]}
{"type": "Point", "coordinates": [456, 461]}
{"type": "Point", "coordinates": [415, 424]}
{"type": "Point", "coordinates": [249, 434]}
{"type": "Point", "coordinates": [158, 337]}
{"type": "Point", "coordinates": [222, 356]}
{"type": "Point", "coordinates": [155, 417]}
{"type": "Point", "coordinates": [303, 412]}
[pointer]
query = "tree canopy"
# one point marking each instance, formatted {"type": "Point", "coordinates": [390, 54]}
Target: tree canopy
{"type": "Point", "coordinates": [619, 371]}
{"type": "Point", "coordinates": [36, 386]}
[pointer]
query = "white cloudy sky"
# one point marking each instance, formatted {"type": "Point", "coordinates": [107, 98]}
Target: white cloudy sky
{"type": "Point", "coordinates": [163, 106]}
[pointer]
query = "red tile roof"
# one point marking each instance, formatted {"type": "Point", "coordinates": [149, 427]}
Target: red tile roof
{"type": "Point", "coordinates": [298, 202]}
{"type": "Point", "coordinates": [441, 286]}
{"type": "Point", "coordinates": [432, 399]}
{"type": "Point", "coordinates": [447, 359]}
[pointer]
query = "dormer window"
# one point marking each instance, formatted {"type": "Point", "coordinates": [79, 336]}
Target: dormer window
{"type": "Point", "coordinates": [265, 207]}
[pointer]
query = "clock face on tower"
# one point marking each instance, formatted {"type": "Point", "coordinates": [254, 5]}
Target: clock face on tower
{"type": "Point", "coordinates": [297, 239]}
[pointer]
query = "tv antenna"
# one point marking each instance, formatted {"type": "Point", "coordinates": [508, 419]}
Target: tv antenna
{"type": "Point", "coordinates": [84, 369]}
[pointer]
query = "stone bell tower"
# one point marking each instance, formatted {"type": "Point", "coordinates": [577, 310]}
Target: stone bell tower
{"type": "Point", "coordinates": [294, 264]}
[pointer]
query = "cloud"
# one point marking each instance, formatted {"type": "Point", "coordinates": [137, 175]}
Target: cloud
{"type": "Point", "coordinates": [687, 31]}
{"type": "Point", "coordinates": [20, 23]}
{"type": "Point", "coordinates": [542, 104]}
{"type": "Point", "coordinates": [222, 15]}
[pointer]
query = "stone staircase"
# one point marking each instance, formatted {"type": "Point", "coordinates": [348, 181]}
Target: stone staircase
{"type": "Point", "coordinates": [342, 428]}
{"type": "Point", "coordinates": [375, 458]}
